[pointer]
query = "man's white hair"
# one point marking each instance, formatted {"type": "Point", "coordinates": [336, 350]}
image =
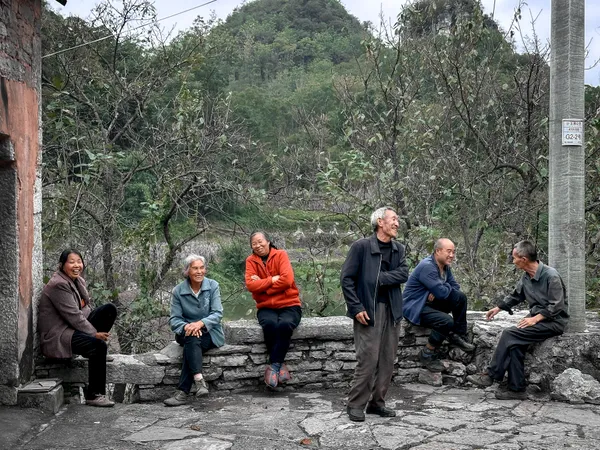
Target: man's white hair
{"type": "Point", "coordinates": [379, 214]}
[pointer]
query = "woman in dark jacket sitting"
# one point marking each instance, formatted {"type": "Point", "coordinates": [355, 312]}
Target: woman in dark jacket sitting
{"type": "Point", "coordinates": [68, 325]}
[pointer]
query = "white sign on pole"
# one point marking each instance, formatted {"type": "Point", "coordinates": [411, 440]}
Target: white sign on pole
{"type": "Point", "coordinates": [572, 132]}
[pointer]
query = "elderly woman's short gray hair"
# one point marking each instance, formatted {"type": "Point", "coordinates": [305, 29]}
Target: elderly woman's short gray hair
{"type": "Point", "coordinates": [187, 262]}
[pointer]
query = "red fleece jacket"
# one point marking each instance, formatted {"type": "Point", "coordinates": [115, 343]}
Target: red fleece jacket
{"type": "Point", "coordinates": [283, 292]}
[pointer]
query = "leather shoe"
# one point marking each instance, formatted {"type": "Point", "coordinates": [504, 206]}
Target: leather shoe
{"type": "Point", "coordinates": [481, 380]}
{"type": "Point", "coordinates": [381, 411]}
{"type": "Point", "coordinates": [460, 342]}
{"type": "Point", "coordinates": [356, 414]}
{"type": "Point", "coordinates": [507, 394]}
{"type": "Point", "coordinates": [430, 362]}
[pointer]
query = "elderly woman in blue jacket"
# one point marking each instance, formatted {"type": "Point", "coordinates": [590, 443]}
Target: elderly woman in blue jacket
{"type": "Point", "coordinates": [196, 314]}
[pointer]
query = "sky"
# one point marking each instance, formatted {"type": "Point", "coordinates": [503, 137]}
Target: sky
{"type": "Point", "coordinates": [501, 10]}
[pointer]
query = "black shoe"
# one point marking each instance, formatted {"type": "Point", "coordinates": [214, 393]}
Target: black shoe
{"type": "Point", "coordinates": [429, 361]}
{"type": "Point", "coordinates": [355, 414]}
{"type": "Point", "coordinates": [507, 394]}
{"type": "Point", "coordinates": [381, 411]}
{"type": "Point", "coordinates": [481, 380]}
{"type": "Point", "coordinates": [460, 342]}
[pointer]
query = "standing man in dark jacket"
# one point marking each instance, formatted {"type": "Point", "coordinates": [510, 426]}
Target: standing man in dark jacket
{"type": "Point", "coordinates": [543, 289]}
{"type": "Point", "coordinates": [430, 296]}
{"type": "Point", "coordinates": [371, 277]}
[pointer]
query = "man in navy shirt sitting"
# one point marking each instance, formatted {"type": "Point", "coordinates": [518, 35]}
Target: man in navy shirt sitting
{"type": "Point", "coordinates": [430, 295]}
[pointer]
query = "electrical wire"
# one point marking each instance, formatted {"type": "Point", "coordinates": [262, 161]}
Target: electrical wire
{"type": "Point", "coordinates": [136, 28]}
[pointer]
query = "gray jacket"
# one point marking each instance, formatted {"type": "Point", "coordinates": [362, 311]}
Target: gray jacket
{"type": "Point", "coordinates": [545, 294]}
{"type": "Point", "coordinates": [187, 308]}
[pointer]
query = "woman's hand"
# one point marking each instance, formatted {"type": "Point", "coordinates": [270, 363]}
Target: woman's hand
{"type": "Point", "coordinates": [255, 278]}
{"type": "Point", "coordinates": [102, 335]}
{"type": "Point", "coordinates": [275, 278]}
{"type": "Point", "coordinates": [194, 329]}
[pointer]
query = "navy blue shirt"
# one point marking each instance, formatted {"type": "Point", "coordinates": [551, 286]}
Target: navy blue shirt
{"type": "Point", "coordinates": [424, 280]}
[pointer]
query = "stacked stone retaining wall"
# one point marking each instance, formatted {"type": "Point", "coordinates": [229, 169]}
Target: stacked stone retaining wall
{"type": "Point", "coordinates": [322, 356]}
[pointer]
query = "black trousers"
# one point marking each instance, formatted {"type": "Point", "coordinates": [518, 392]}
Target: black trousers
{"type": "Point", "coordinates": [193, 348]}
{"type": "Point", "coordinates": [102, 318]}
{"type": "Point", "coordinates": [436, 315]}
{"type": "Point", "coordinates": [278, 326]}
{"type": "Point", "coordinates": [509, 355]}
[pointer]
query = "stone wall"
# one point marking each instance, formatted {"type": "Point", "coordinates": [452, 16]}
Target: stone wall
{"type": "Point", "coordinates": [322, 356]}
{"type": "Point", "coordinates": [20, 190]}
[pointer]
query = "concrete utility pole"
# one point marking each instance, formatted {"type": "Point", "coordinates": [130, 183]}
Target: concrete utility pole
{"type": "Point", "coordinates": [567, 154]}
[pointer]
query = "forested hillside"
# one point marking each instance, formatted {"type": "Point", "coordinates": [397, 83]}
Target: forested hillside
{"type": "Point", "coordinates": [292, 116]}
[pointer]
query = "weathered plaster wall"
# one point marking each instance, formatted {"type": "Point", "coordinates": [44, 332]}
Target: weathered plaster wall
{"type": "Point", "coordinates": [20, 189]}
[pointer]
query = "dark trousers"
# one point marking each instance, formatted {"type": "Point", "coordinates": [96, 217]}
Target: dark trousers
{"type": "Point", "coordinates": [193, 348]}
{"type": "Point", "coordinates": [436, 315]}
{"type": "Point", "coordinates": [509, 355]}
{"type": "Point", "coordinates": [102, 318]}
{"type": "Point", "coordinates": [376, 348]}
{"type": "Point", "coordinates": [278, 326]}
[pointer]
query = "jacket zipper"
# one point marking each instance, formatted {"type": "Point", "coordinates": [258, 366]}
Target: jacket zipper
{"type": "Point", "coordinates": [376, 286]}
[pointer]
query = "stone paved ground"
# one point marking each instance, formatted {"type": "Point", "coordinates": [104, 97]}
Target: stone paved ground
{"type": "Point", "coordinates": [429, 418]}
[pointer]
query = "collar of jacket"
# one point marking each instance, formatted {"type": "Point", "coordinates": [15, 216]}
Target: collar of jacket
{"type": "Point", "coordinates": [538, 272]}
{"type": "Point", "coordinates": [434, 262]}
{"type": "Point", "coordinates": [74, 285]}
{"type": "Point", "coordinates": [375, 245]}
{"type": "Point", "coordinates": [187, 287]}
{"type": "Point", "coordinates": [257, 258]}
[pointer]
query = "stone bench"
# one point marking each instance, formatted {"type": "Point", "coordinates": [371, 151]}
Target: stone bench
{"type": "Point", "coordinates": [322, 356]}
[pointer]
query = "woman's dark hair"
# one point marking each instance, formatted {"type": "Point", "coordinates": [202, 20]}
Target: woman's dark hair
{"type": "Point", "coordinates": [265, 235]}
{"type": "Point", "coordinates": [64, 256]}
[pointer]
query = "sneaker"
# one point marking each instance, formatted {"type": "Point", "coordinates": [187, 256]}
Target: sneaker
{"type": "Point", "coordinates": [381, 411]}
{"type": "Point", "coordinates": [270, 377]}
{"type": "Point", "coordinates": [100, 401]}
{"type": "Point", "coordinates": [180, 398]}
{"type": "Point", "coordinates": [284, 374]}
{"type": "Point", "coordinates": [201, 388]}
{"type": "Point", "coordinates": [460, 342]}
{"type": "Point", "coordinates": [507, 394]}
{"type": "Point", "coordinates": [356, 414]}
{"type": "Point", "coordinates": [481, 380]}
{"type": "Point", "coordinates": [429, 361]}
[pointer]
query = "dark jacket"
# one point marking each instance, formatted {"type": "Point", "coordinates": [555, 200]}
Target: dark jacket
{"type": "Point", "coordinates": [64, 307]}
{"type": "Point", "coordinates": [426, 279]}
{"type": "Point", "coordinates": [361, 276]}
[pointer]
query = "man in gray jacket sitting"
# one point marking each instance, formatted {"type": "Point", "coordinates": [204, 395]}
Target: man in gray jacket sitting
{"type": "Point", "coordinates": [543, 289]}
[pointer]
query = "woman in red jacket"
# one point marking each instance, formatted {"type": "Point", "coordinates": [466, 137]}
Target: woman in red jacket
{"type": "Point", "coordinates": [270, 279]}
